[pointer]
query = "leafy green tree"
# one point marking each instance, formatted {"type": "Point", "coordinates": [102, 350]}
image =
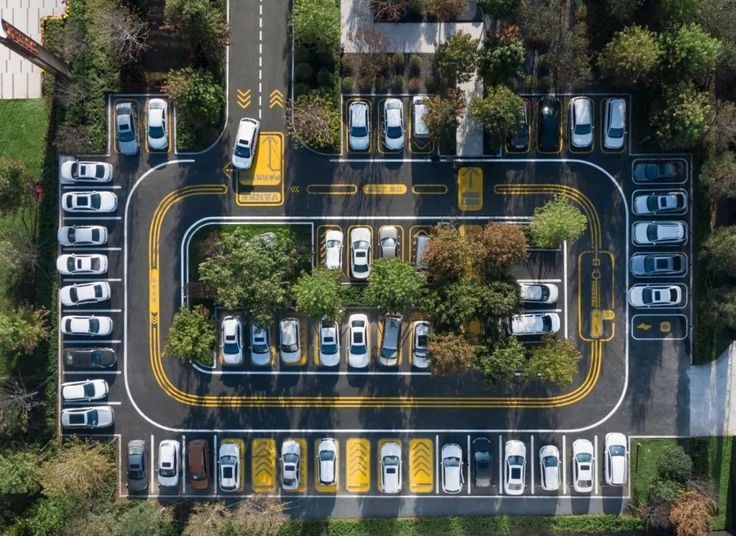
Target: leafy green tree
{"type": "Point", "coordinates": [443, 115]}
{"type": "Point", "coordinates": [80, 471]}
{"type": "Point", "coordinates": [501, 299]}
{"type": "Point", "coordinates": [689, 52]}
{"type": "Point", "coordinates": [554, 361]}
{"type": "Point", "coordinates": [499, 365]}
{"type": "Point", "coordinates": [718, 175]}
{"type": "Point", "coordinates": [449, 354]}
{"type": "Point", "coordinates": [394, 286]}
{"type": "Point", "coordinates": [447, 255]}
{"type": "Point", "coordinates": [556, 222]}
{"type": "Point", "coordinates": [22, 329]}
{"type": "Point", "coordinates": [721, 134]}
{"type": "Point", "coordinates": [318, 294]}
{"type": "Point", "coordinates": [624, 10]}
{"type": "Point", "coordinates": [500, 246]}
{"type": "Point", "coordinates": [501, 57]}
{"type": "Point", "coordinates": [631, 56]}
{"type": "Point", "coordinates": [682, 120]}
{"type": "Point", "coordinates": [455, 60]}
{"type": "Point", "coordinates": [719, 252]}
{"type": "Point", "coordinates": [199, 101]}
{"type": "Point", "coordinates": [444, 10]}
{"type": "Point", "coordinates": [15, 185]}
{"type": "Point", "coordinates": [678, 11]}
{"type": "Point", "coordinates": [201, 23]}
{"type": "Point", "coordinates": [50, 515]}
{"type": "Point", "coordinates": [142, 518]}
{"type": "Point", "coordinates": [718, 307]}
{"type": "Point", "coordinates": [192, 336]}
{"type": "Point", "coordinates": [19, 473]}
{"type": "Point", "coordinates": [453, 305]}
{"type": "Point", "coordinates": [499, 8]}
{"type": "Point", "coordinates": [315, 121]}
{"type": "Point", "coordinates": [500, 111]}
{"type": "Point", "coordinates": [674, 464]}
{"type": "Point", "coordinates": [317, 23]}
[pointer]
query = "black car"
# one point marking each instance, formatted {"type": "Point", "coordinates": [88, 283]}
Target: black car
{"type": "Point", "coordinates": [89, 358]}
{"type": "Point", "coordinates": [549, 125]}
{"type": "Point", "coordinates": [137, 480]}
{"type": "Point", "coordinates": [482, 463]}
{"type": "Point", "coordinates": [646, 171]}
{"type": "Point", "coordinates": [519, 140]}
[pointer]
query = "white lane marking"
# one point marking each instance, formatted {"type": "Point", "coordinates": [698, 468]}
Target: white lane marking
{"type": "Point", "coordinates": [369, 160]}
{"type": "Point", "coordinates": [92, 341]}
{"type": "Point", "coordinates": [531, 464]}
{"type": "Point", "coordinates": [260, 58]}
{"type": "Point", "coordinates": [214, 471]}
{"type": "Point", "coordinates": [388, 497]}
{"type": "Point", "coordinates": [564, 287]}
{"type": "Point", "coordinates": [95, 372]}
{"type": "Point", "coordinates": [595, 463]}
{"type": "Point", "coordinates": [539, 280]}
{"type": "Point", "coordinates": [469, 462]}
{"type": "Point", "coordinates": [153, 462]}
{"type": "Point", "coordinates": [83, 249]}
{"type": "Point", "coordinates": [75, 311]}
{"type": "Point", "coordinates": [184, 463]}
{"type": "Point", "coordinates": [96, 218]}
{"type": "Point", "coordinates": [96, 187]}
{"type": "Point", "coordinates": [91, 403]}
{"type": "Point", "coordinates": [500, 464]}
{"type": "Point", "coordinates": [204, 370]}
{"type": "Point", "coordinates": [564, 463]}
{"type": "Point", "coordinates": [437, 464]}
{"type": "Point", "coordinates": [85, 279]}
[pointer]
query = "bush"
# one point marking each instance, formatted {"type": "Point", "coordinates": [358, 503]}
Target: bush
{"type": "Point", "coordinates": [664, 490]}
{"type": "Point", "coordinates": [301, 88]}
{"type": "Point", "coordinates": [348, 64]}
{"type": "Point", "coordinates": [398, 61]}
{"type": "Point", "coordinates": [674, 464]}
{"type": "Point", "coordinates": [347, 84]}
{"type": "Point", "coordinates": [326, 58]}
{"type": "Point", "coordinates": [498, 8]}
{"type": "Point", "coordinates": [719, 252]}
{"type": "Point", "coordinates": [192, 336]}
{"type": "Point", "coordinates": [303, 72]}
{"type": "Point", "coordinates": [317, 23]}
{"type": "Point", "coordinates": [365, 84]}
{"type": "Point", "coordinates": [415, 65]}
{"type": "Point", "coordinates": [415, 84]}
{"type": "Point", "coordinates": [324, 78]}
{"type": "Point", "coordinates": [397, 84]}
{"type": "Point", "coordinates": [301, 54]}
{"type": "Point", "coordinates": [381, 84]}
{"type": "Point", "coordinates": [315, 121]}
{"type": "Point", "coordinates": [430, 82]}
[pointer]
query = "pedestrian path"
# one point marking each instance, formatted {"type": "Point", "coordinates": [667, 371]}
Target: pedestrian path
{"type": "Point", "coordinates": [712, 397]}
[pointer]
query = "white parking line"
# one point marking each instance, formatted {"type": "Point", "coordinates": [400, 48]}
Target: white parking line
{"type": "Point", "coordinates": [94, 218]}
{"type": "Point", "coordinates": [88, 249]}
{"type": "Point", "coordinates": [84, 279]}
{"type": "Point", "coordinates": [184, 463]}
{"type": "Point", "coordinates": [271, 372]}
{"type": "Point", "coordinates": [214, 472]}
{"type": "Point", "coordinates": [564, 464]}
{"type": "Point", "coordinates": [92, 403]}
{"type": "Point", "coordinates": [564, 282]}
{"type": "Point", "coordinates": [95, 372]}
{"type": "Point", "coordinates": [96, 187]}
{"type": "Point", "coordinates": [74, 311]}
{"type": "Point", "coordinates": [437, 464]}
{"type": "Point", "coordinates": [153, 462]}
{"type": "Point", "coordinates": [500, 464]}
{"type": "Point", "coordinates": [595, 463]}
{"type": "Point", "coordinates": [539, 280]}
{"type": "Point", "coordinates": [531, 464]}
{"type": "Point", "coordinates": [469, 462]}
{"type": "Point", "coordinates": [92, 341]}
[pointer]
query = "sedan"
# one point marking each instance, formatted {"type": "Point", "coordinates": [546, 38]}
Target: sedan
{"type": "Point", "coordinates": [648, 171]}
{"type": "Point", "coordinates": [137, 480]}
{"type": "Point", "coordinates": [333, 250]}
{"type": "Point", "coordinates": [549, 125]}
{"type": "Point", "coordinates": [514, 467]}
{"type": "Point", "coordinates": [86, 325]}
{"type": "Point", "coordinates": [89, 202]}
{"type": "Point", "coordinates": [360, 252]}
{"type": "Point", "coordinates": [93, 264]}
{"type": "Point", "coordinates": [614, 122]}
{"type": "Point", "coordinates": [95, 417]}
{"type": "Point", "coordinates": [158, 133]}
{"type": "Point", "coordinates": [73, 171]}
{"type": "Point", "coordinates": [419, 351]}
{"type": "Point", "coordinates": [84, 390]}
{"type": "Point", "coordinates": [291, 461]}
{"type": "Point", "coordinates": [581, 122]}
{"type": "Point", "coordinates": [655, 296]}
{"type": "Point", "coordinates": [519, 140]}
{"type": "Point", "coordinates": [393, 124]}
{"type": "Point", "coordinates": [549, 467]}
{"type": "Point", "coordinates": [329, 344]}
{"type": "Point", "coordinates": [482, 462]}
{"type": "Point", "coordinates": [168, 463]}
{"type": "Point", "coordinates": [84, 293]}
{"type": "Point", "coordinates": [327, 462]}
{"type": "Point", "coordinates": [390, 467]}
{"type": "Point", "coordinates": [245, 143]}
{"type": "Point", "coordinates": [359, 336]}
{"type": "Point", "coordinates": [260, 346]}
{"type": "Point", "coordinates": [388, 237]}
{"type": "Point", "coordinates": [664, 203]}
{"type": "Point", "coordinates": [582, 465]}
{"type": "Point", "coordinates": [358, 126]}
{"type": "Point", "coordinates": [655, 233]}
{"type": "Point", "coordinates": [543, 293]}
{"type": "Point", "coordinates": [92, 358]}
{"type": "Point", "coordinates": [452, 468]}
{"type": "Point", "coordinates": [125, 129]}
{"type": "Point", "coordinates": [290, 341]}
{"type": "Point", "coordinates": [231, 341]}
{"type": "Point", "coordinates": [616, 459]}
{"type": "Point", "coordinates": [82, 235]}
{"type": "Point", "coordinates": [228, 462]}
{"type": "Point", "coordinates": [655, 264]}
{"type": "Point", "coordinates": [534, 324]}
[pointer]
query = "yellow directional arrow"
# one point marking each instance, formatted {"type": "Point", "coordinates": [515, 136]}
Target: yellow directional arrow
{"type": "Point", "coordinates": [243, 98]}
{"type": "Point", "coordinates": [228, 169]}
{"type": "Point", "coordinates": [276, 98]}
{"type": "Point", "coordinates": [644, 326]}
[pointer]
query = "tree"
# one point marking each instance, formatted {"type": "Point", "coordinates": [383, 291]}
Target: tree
{"type": "Point", "coordinates": [500, 300]}
{"type": "Point", "coordinates": [19, 473]}
{"type": "Point", "coordinates": [447, 255]}
{"type": "Point", "coordinates": [692, 511]}
{"type": "Point", "coordinates": [721, 133]}
{"type": "Point", "coordinates": [719, 252]}
{"type": "Point", "coordinates": [199, 101]}
{"type": "Point", "coordinates": [682, 121]}
{"type": "Point", "coordinates": [502, 55]}
{"type": "Point", "coordinates": [315, 121]}
{"type": "Point", "coordinates": [718, 175]}
{"type": "Point", "coordinates": [624, 10]}
{"type": "Point", "coordinates": [126, 31]}
{"type": "Point", "coordinates": [554, 361]}
{"type": "Point", "coordinates": [631, 56]}
{"type": "Point", "coordinates": [207, 518]}
{"type": "Point", "coordinates": [192, 336]}
{"type": "Point", "coordinates": [455, 60]}
{"type": "Point", "coordinates": [22, 329]}
{"type": "Point", "coordinates": [500, 246]}
{"type": "Point", "coordinates": [449, 354]}
{"type": "Point", "coordinates": [444, 113]}
{"type": "Point", "coordinates": [16, 404]}
{"type": "Point", "coordinates": [674, 464]}
{"type": "Point", "coordinates": [500, 111]}
{"type": "Point", "coordinates": [719, 307]}
{"type": "Point", "coordinates": [317, 23]}
{"type": "Point", "coordinates": [500, 365]}
{"type": "Point", "coordinates": [318, 294]}
{"type": "Point", "coordinates": [556, 222]}
{"type": "Point", "coordinates": [201, 23]}
{"type": "Point", "coordinates": [444, 10]}
{"type": "Point", "coordinates": [678, 11]}
{"type": "Point", "coordinates": [499, 8]}
{"type": "Point", "coordinates": [259, 515]}
{"type": "Point", "coordinates": [394, 286]}
{"type": "Point", "coordinates": [454, 304]}
{"type": "Point", "coordinates": [80, 471]}
{"type": "Point", "coordinates": [689, 53]}
{"type": "Point", "coordinates": [15, 185]}
{"type": "Point", "coordinates": [142, 518]}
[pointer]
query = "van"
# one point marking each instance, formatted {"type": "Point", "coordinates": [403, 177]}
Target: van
{"type": "Point", "coordinates": [419, 111]}
{"type": "Point", "coordinates": [198, 464]}
{"type": "Point", "coordinates": [389, 354]}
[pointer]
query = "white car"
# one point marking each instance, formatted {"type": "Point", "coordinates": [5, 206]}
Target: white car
{"type": "Point", "coordinates": [168, 463]}
{"type": "Point", "coordinates": [329, 344]}
{"type": "Point", "coordinates": [581, 122]}
{"type": "Point", "coordinates": [231, 340]}
{"type": "Point", "coordinates": [228, 464]}
{"type": "Point", "coordinates": [391, 467]}
{"type": "Point", "coordinates": [89, 202]}
{"type": "Point", "coordinates": [545, 293]}
{"type": "Point", "coordinates": [93, 264]}
{"type": "Point", "coordinates": [393, 124]}
{"type": "Point", "coordinates": [549, 467]}
{"type": "Point", "coordinates": [360, 252]}
{"type": "Point", "coordinates": [245, 143]}
{"type": "Point", "coordinates": [360, 342]}
{"type": "Point", "coordinates": [86, 325]}
{"type": "Point", "coordinates": [534, 324]}
{"type": "Point", "coordinates": [74, 170]}
{"type": "Point", "coordinates": [260, 346]}
{"type": "Point", "coordinates": [327, 462]}
{"type": "Point", "coordinates": [94, 417]}
{"type": "Point", "coordinates": [419, 114]}
{"type": "Point", "coordinates": [582, 465]}
{"type": "Point", "coordinates": [664, 203]}
{"type": "Point", "coordinates": [388, 239]}
{"type": "Point", "coordinates": [85, 390]}
{"type": "Point", "coordinates": [617, 458]}
{"type": "Point", "coordinates": [158, 130]}
{"type": "Point", "coordinates": [452, 468]}
{"type": "Point", "coordinates": [655, 233]}
{"type": "Point", "coordinates": [333, 250]}
{"type": "Point", "coordinates": [614, 122]}
{"type": "Point", "coordinates": [84, 293]}
{"type": "Point", "coordinates": [289, 341]}
{"type": "Point", "coordinates": [514, 467]}
{"type": "Point", "coordinates": [647, 295]}
{"type": "Point", "coordinates": [358, 126]}
{"type": "Point", "coordinates": [291, 461]}
{"type": "Point", "coordinates": [82, 235]}
{"type": "Point", "coordinates": [420, 352]}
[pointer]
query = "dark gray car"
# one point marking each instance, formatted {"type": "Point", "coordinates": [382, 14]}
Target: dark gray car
{"type": "Point", "coordinates": [89, 358]}
{"type": "Point", "coordinates": [482, 462]}
{"type": "Point", "coordinates": [137, 480]}
{"type": "Point", "coordinates": [125, 129]}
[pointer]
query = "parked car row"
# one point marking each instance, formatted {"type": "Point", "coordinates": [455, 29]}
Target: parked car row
{"type": "Point", "coordinates": [540, 323]}
{"type": "Point", "coordinates": [392, 121]}
{"type": "Point", "coordinates": [126, 129]}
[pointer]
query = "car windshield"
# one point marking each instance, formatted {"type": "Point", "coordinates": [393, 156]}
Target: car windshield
{"type": "Point", "coordinates": [231, 348]}
{"type": "Point", "coordinates": [135, 472]}
{"type": "Point", "coordinates": [360, 268]}
{"type": "Point", "coordinates": [73, 294]}
{"type": "Point", "coordinates": [584, 457]}
{"type": "Point", "coordinates": [617, 450]}
{"type": "Point", "coordinates": [582, 129]}
{"type": "Point", "coordinates": [94, 325]}
{"type": "Point", "coordinates": [333, 243]}
{"type": "Point", "coordinates": [326, 456]}
{"type": "Point", "coordinates": [290, 457]}
{"type": "Point", "coordinates": [388, 352]}
{"type": "Point", "coordinates": [585, 483]}
{"type": "Point", "coordinates": [93, 418]}
{"type": "Point", "coordinates": [550, 461]}
{"type": "Point", "coordinates": [452, 462]}
{"type": "Point", "coordinates": [394, 132]}
{"type": "Point", "coordinates": [241, 151]}
{"type": "Point", "coordinates": [167, 472]}
{"type": "Point", "coordinates": [156, 132]}
{"type": "Point", "coordinates": [647, 295]}
{"type": "Point", "coordinates": [96, 358]}
{"type": "Point", "coordinates": [422, 341]}
{"type": "Point", "coordinates": [329, 348]}
{"type": "Point", "coordinates": [653, 202]}
{"type": "Point", "coordinates": [390, 460]}
{"type": "Point", "coordinates": [482, 460]}
{"type": "Point", "coordinates": [75, 170]}
{"type": "Point", "coordinates": [359, 132]}
{"type": "Point", "coordinates": [95, 200]}
{"type": "Point", "coordinates": [260, 348]}
{"type": "Point", "coordinates": [290, 347]}
{"type": "Point", "coordinates": [615, 133]}
{"type": "Point", "coordinates": [99, 171]}
{"type": "Point", "coordinates": [95, 235]}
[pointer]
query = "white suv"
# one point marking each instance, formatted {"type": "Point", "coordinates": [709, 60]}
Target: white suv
{"type": "Point", "coordinates": [617, 458]}
{"type": "Point", "coordinates": [245, 143]}
{"type": "Point", "coordinates": [391, 467]}
{"type": "Point", "coordinates": [614, 124]}
{"type": "Point", "coordinates": [393, 124]}
{"type": "Point", "coordinates": [168, 463]}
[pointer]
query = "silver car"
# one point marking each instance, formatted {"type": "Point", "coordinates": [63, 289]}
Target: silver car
{"type": "Point", "coordinates": [289, 342]}
{"type": "Point", "coordinates": [359, 337]}
{"type": "Point", "coordinates": [82, 235]}
{"type": "Point", "coordinates": [73, 171]}
{"type": "Point", "coordinates": [422, 243]}
{"type": "Point", "coordinates": [327, 462]}
{"type": "Point", "coordinates": [260, 346]}
{"type": "Point", "coordinates": [389, 353]}
{"type": "Point", "coordinates": [420, 352]}
{"type": "Point", "coordinates": [94, 417]}
{"type": "Point", "coordinates": [231, 341]}
{"type": "Point", "coordinates": [86, 325]}
{"type": "Point", "coordinates": [648, 295]}
{"type": "Point", "coordinates": [291, 461]}
{"type": "Point", "coordinates": [137, 480]}
{"type": "Point", "coordinates": [84, 293]}
{"type": "Point", "coordinates": [660, 203]}
{"type": "Point", "coordinates": [391, 468]}
{"type": "Point", "coordinates": [452, 468]}
{"type": "Point", "coordinates": [93, 264]}
{"type": "Point", "coordinates": [158, 133]}
{"type": "Point", "coordinates": [360, 252]}
{"type": "Point", "coordinates": [85, 390]}
{"type": "Point", "coordinates": [388, 237]}
{"type": "Point", "coordinates": [329, 344]}
{"type": "Point", "coordinates": [245, 143]}
{"type": "Point", "coordinates": [581, 122]}
{"type": "Point", "coordinates": [333, 249]}
{"type": "Point", "coordinates": [393, 124]}
{"type": "Point", "coordinates": [545, 293]}
{"type": "Point", "coordinates": [358, 126]}
{"type": "Point", "coordinates": [549, 467]}
{"type": "Point", "coordinates": [89, 202]}
{"type": "Point", "coordinates": [662, 232]}
{"type": "Point", "coordinates": [658, 264]}
{"type": "Point", "coordinates": [125, 129]}
{"type": "Point", "coordinates": [614, 121]}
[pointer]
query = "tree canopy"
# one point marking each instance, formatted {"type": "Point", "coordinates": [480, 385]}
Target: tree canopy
{"type": "Point", "coordinates": [394, 286]}
{"type": "Point", "coordinates": [500, 111]}
{"type": "Point", "coordinates": [554, 361]}
{"type": "Point", "coordinates": [318, 294]}
{"type": "Point", "coordinates": [631, 56]}
{"type": "Point", "coordinates": [556, 222]}
{"type": "Point", "coordinates": [449, 354]}
{"type": "Point", "coordinates": [192, 335]}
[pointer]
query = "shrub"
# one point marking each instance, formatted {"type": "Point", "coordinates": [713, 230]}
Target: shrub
{"type": "Point", "coordinates": [317, 23]}
{"type": "Point", "coordinates": [415, 84]}
{"type": "Point", "coordinates": [326, 58]}
{"type": "Point", "coordinates": [303, 72]}
{"type": "Point", "coordinates": [315, 121]}
{"type": "Point", "coordinates": [674, 464]}
{"type": "Point", "coordinates": [302, 54]}
{"type": "Point", "coordinates": [691, 512]}
{"type": "Point", "coordinates": [664, 490]}
{"type": "Point", "coordinates": [631, 55]}
{"type": "Point", "coordinates": [348, 64]}
{"type": "Point", "coordinates": [381, 84]}
{"type": "Point", "coordinates": [347, 84]}
{"type": "Point", "coordinates": [449, 354]}
{"type": "Point", "coordinates": [365, 83]}
{"type": "Point", "coordinates": [498, 8]}
{"type": "Point", "coordinates": [389, 10]}
{"type": "Point", "coordinates": [430, 82]}
{"type": "Point", "coordinates": [444, 10]}
{"type": "Point", "coordinates": [397, 84]}
{"type": "Point", "coordinates": [415, 65]}
{"type": "Point", "coordinates": [301, 88]}
{"type": "Point", "coordinates": [192, 336]}
{"type": "Point", "coordinates": [324, 78]}
{"type": "Point", "coordinates": [398, 61]}
{"type": "Point", "coordinates": [682, 119]}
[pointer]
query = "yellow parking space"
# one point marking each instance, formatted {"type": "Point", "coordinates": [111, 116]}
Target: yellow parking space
{"type": "Point", "coordinates": [414, 232]}
{"type": "Point", "coordinates": [263, 465]}
{"type": "Point", "coordinates": [421, 465]}
{"type": "Point", "coordinates": [381, 443]}
{"type": "Point", "coordinates": [321, 234]}
{"type": "Point", "coordinates": [372, 254]}
{"type": "Point", "coordinates": [470, 188]}
{"type": "Point", "coordinates": [302, 466]}
{"type": "Point", "coordinates": [241, 448]}
{"type": "Point", "coordinates": [471, 231]}
{"type": "Point", "coordinates": [264, 185]}
{"type": "Point", "coordinates": [322, 488]}
{"type": "Point", "coordinates": [357, 465]}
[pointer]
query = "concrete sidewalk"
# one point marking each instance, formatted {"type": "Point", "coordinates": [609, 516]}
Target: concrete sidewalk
{"type": "Point", "coordinates": [712, 396]}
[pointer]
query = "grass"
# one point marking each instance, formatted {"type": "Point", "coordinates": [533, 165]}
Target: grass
{"type": "Point", "coordinates": [712, 458]}
{"type": "Point", "coordinates": [23, 132]}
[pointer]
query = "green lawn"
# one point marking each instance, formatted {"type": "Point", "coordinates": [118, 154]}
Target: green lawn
{"type": "Point", "coordinates": [23, 126]}
{"type": "Point", "coordinates": [712, 458]}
